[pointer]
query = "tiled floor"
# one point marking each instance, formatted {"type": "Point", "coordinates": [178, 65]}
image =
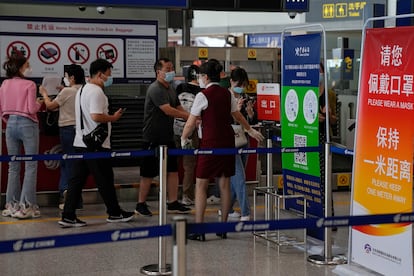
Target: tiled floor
{"type": "Point", "coordinates": [240, 254]}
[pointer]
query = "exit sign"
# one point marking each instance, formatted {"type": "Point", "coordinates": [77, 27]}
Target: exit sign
{"type": "Point", "coordinates": [296, 5]}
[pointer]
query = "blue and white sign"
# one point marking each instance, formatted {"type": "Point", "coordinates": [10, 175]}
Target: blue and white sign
{"type": "Point", "coordinates": [296, 5]}
{"type": "Point", "coordinates": [301, 60]}
{"type": "Point", "coordinates": [263, 40]}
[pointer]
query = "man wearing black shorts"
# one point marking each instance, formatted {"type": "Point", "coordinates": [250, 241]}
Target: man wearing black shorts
{"type": "Point", "coordinates": [161, 107]}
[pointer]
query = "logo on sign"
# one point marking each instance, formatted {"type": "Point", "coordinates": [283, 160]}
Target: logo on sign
{"type": "Point", "coordinates": [302, 51]}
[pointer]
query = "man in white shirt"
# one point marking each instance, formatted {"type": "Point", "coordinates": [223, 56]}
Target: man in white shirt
{"type": "Point", "coordinates": [91, 106]}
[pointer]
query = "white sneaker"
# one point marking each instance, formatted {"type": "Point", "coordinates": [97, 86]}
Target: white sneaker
{"type": "Point", "coordinates": [234, 214]}
{"type": "Point", "coordinates": [187, 201]}
{"type": "Point", "coordinates": [27, 212]}
{"type": "Point", "coordinates": [213, 200]}
{"type": "Point", "coordinates": [244, 218]}
{"type": "Point", "coordinates": [10, 209]}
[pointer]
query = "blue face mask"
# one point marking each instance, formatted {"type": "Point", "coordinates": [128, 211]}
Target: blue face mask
{"type": "Point", "coordinates": [108, 81]}
{"type": "Point", "coordinates": [169, 76]}
{"type": "Point", "coordinates": [321, 78]}
{"type": "Point", "coordinates": [238, 90]}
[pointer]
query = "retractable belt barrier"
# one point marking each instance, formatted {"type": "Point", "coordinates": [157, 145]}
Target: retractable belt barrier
{"type": "Point", "coordinates": [50, 242]}
{"type": "Point", "coordinates": [128, 154]}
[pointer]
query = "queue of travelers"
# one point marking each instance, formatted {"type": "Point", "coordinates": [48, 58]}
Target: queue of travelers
{"type": "Point", "coordinates": [198, 113]}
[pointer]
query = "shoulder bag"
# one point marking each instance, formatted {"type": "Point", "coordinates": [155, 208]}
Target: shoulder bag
{"type": "Point", "coordinates": [96, 137]}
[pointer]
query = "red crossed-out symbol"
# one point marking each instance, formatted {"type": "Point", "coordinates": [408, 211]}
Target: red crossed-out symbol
{"type": "Point", "coordinates": [48, 53]}
{"type": "Point", "coordinates": [78, 53]}
{"type": "Point", "coordinates": [107, 51]}
{"type": "Point", "coordinates": [18, 48]}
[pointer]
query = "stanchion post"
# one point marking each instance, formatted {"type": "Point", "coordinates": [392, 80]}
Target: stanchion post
{"type": "Point", "coordinates": [328, 259]}
{"type": "Point", "coordinates": [162, 268]}
{"type": "Point", "coordinates": [269, 173]}
{"type": "Point", "coordinates": [328, 200]}
{"type": "Point", "coordinates": [179, 242]}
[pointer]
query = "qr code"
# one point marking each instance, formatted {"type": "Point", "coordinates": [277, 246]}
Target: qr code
{"type": "Point", "coordinates": [300, 141]}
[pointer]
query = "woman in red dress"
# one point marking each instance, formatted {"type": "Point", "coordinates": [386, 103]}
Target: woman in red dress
{"type": "Point", "coordinates": [215, 107]}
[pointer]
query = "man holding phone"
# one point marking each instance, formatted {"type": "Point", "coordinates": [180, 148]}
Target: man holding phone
{"type": "Point", "coordinates": [94, 103]}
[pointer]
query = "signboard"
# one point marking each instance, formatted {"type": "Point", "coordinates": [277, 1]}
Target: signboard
{"type": "Point", "coordinates": [339, 10]}
{"type": "Point", "coordinates": [263, 40]}
{"type": "Point", "coordinates": [345, 62]}
{"type": "Point", "coordinates": [383, 173]}
{"type": "Point", "coordinates": [268, 101]}
{"type": "Point", "coordinates": [299, 121]}
{"type": "Point", "coordinates": [50, 43]}
{"type": "Point", "coordinates": [296, 5]}
{"type": "Point", "coordinates": [136, 3]}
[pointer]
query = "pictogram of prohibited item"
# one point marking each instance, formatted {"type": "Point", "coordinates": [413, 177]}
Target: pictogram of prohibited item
{"type": "Point", "coordinates": [107, 51]}
{"type": "Point", "coordinates": [48, 53]}
{"type": "Point", "coordinates": [18, 48]}
{"type": "Point", "coordinates": [78, 53]}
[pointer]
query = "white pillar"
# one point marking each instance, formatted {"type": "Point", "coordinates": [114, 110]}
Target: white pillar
{"type": "Point", "coordinates": [391, 11]}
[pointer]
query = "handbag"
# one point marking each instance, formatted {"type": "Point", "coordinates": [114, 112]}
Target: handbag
{"type": "Point", "coordinates": [239, 136]}
{"type": "Point", "coordinates": [49, 122]}
{"type": "Point", "coordinates": [96, 137]}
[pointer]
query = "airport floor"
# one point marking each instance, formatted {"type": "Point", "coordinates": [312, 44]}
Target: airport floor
{"type": "Point", "coordinates": [239, 254]}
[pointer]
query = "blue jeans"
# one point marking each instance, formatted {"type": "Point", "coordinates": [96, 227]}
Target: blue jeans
{"type": "Point", "coordinates": [238, 187]}
{"type": "Point", "coordinates": [21, 131]}
{"type": "Point", "coordinates": [67, 135]}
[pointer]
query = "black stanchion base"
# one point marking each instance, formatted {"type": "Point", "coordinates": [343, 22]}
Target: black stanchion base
{"type": "Point", "coordinates": [154, 269]}
{"type": "Point", "coordinates": [321, 260]}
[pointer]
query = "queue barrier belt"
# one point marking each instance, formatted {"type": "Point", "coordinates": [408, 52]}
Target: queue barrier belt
{"type": "Point", "coordinates": [50, 242]}
{"type": "Point", "coordinates": [141, 153]}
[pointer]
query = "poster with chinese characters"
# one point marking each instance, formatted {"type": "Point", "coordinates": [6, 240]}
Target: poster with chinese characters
{"type": "Point", "coordinates": [384, 151]}
{"type": "Point", "coordinates": [300, 124]}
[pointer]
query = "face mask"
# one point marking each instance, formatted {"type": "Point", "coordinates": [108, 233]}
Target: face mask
{"type": "Point", "coordinates": [321, 77]}
{"type": "Point", "coordinates": [238, 90]}
{"type": "Point", "coordinates": [27, 72]}
{"type": "Point", "coordinates": [201, 82]}
{"type": "Point", "coordinates": [66, 81]}
{"type": "Point", "coordinates": [169, 76]}
{"type": "Point", "coordinates": [108, 81]}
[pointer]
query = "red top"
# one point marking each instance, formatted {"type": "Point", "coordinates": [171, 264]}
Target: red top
{"type": "Point", "coordinates": [217, 133]}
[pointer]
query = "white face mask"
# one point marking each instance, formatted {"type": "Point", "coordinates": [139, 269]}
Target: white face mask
{"type": "Point", "coordinates": [27, 72]}
{"type": "Point", "coordinates": [66, 81]}
{"type": "Point", "coordinates": [201, 82]}
{"type": "Point", "coordinates": [321, 78]}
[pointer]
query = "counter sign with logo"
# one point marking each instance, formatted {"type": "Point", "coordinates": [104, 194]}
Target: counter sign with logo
{"type": "Point", "coordinates": [268, 101]}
